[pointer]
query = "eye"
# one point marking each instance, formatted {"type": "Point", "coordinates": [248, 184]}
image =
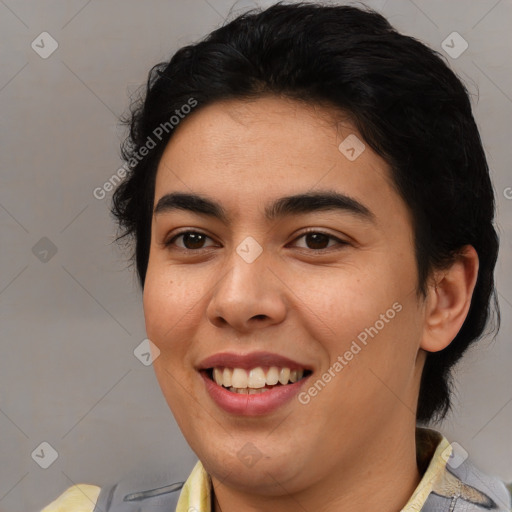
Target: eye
{"type": "Point", "coordinates": [192, 240]}
{"type": "Point", "coordinates": [315, 240]}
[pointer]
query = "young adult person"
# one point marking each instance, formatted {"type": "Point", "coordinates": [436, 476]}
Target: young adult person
{"type": "Point", "coordinates": [312, 215]}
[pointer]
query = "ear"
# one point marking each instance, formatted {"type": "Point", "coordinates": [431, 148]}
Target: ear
{"type": "Point", "coordinates": [448, 299]}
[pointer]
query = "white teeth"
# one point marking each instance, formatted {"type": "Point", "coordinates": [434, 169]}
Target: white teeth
{"type": "Point", "coordinates": [217, 376]}
{"type": "Point", "coordinates": [273, 376]}
{"type": "Point", "coordinates": [256, 391]}
{"type": "Point", "coordinates": [248, 391]}
{"type": "Point", "coordinates": [284, 375]}
{"type": "Point", "coordinates": [256, 378]}
{"type": "Point", "coordinates": [240, 380]}
{"type": "Point", "coordinates": [226, 376]}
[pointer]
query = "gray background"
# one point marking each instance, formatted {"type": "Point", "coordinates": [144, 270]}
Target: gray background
{"type": "Point", "coordinates": [70, 321]}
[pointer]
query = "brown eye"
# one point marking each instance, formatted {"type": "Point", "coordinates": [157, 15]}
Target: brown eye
{"type": "Point", "coordinates": [192, 240]}
{"type": "Point", "coordinates": [317, 240]}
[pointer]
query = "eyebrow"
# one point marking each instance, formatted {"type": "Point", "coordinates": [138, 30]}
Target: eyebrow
{"type": "Point", "coordinates": [282, 207]}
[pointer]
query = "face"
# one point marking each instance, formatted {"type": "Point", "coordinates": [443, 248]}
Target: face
{"type": "Point", "coordinates": [327, 281]}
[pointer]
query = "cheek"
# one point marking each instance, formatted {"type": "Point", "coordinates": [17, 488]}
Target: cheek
{"type": "Point", "coordinates": [167, 311]}
{"type": "Point", "coordinates": [164, 304]}
{"type": "Point", "coordinates": [172, 307]}
{"type": "Point", "coordinates": [343, 304]}
{"type": "Point", "coordinates": [371, 317]}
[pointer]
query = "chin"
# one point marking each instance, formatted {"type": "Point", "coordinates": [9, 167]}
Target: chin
{"type": "Point", "coordinates": [251, 469]}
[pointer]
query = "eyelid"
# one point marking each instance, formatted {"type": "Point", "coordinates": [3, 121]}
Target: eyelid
{"type": "Point", "coordinates": [340, 242]}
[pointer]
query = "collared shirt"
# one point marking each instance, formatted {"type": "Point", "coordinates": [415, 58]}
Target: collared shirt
{"type": "Point", "coordinates": [439, 487]}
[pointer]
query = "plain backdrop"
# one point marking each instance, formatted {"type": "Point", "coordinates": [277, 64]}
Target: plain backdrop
{"type": "Point", "coordinates": [70, 309]}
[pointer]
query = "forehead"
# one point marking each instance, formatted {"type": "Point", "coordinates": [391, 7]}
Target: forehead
{"type": "Point", "coordinates": [239, 129]}
{"type": "Point", "coordinates": [243, 151]}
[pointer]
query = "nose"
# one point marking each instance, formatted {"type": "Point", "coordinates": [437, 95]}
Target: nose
{"type": "Point", "coordinates": [248, 296]}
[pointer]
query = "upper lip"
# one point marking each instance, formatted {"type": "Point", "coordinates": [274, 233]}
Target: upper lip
{"type": "Point", "coordinates": [251, 360]}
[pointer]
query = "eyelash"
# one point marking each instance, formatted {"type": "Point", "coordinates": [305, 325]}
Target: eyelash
{"type": "Point", "coordinates": [341, 243]}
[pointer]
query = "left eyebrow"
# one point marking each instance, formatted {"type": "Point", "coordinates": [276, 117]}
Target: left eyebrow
{"type": "Point", "coordinates": [290, 205]}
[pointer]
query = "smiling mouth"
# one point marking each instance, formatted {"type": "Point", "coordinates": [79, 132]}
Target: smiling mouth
{"type": "Point", "coordinates": [256, 380]}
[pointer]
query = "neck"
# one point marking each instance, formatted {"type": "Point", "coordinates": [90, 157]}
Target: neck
{"type": "Point", "coordinates": [382, 478]}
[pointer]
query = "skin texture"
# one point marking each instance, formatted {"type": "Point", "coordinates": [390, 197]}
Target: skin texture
{"type": "Point", "coordinates": [352, 447]}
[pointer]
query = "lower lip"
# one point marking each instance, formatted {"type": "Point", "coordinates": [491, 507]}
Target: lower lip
{"type": "Point", "coordinates": [252, 405]}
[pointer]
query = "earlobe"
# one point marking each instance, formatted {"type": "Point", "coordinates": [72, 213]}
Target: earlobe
{"type": "Point", "coordinates": [448, 300]}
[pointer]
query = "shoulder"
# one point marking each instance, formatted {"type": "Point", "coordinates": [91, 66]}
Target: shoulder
{"type": "Point", "coordinates": [77, 498]}
{"type": "Point", "coordinates": [463, 487]}
{"type": "Point", "coordinates": [124, 496]}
